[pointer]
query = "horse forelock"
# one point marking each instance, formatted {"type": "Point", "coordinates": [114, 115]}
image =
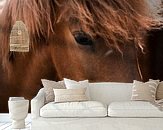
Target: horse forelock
{"type": "Point", "coordinates": [116, 21]}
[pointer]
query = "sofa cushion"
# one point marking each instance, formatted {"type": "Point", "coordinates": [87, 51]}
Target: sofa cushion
{"type": "Point", "coordinates": [74, 109]}
{"type": "Point", "coordinates": [72, 84]}
{"type": "Point", "coordinates": [133, 109]}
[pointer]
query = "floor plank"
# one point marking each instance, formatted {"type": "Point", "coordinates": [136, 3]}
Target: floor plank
{"type": "Point", "coordinates": [5, 126]}
{"type": "Point", "coordinates": [1, 124]}
{"type": "Point", "coordinates": [8, 126]}
{"type": "Point", "coordinates": [5, 122]}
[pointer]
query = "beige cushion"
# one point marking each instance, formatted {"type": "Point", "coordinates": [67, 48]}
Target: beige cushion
{"type": "Point", "coordinates": [48, 88]}
{"type": "Point", "coordinates": [159, 94]}
{"type": "Point", "coordinates": [70, 95]}
{"type": "Point", "coordinates": [144, 91]}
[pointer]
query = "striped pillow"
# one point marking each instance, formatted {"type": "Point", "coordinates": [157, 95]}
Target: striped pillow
{"type": "Point", "coordinates": [144, 91]}
{"type": "Point", "coordinates": [70, 95]}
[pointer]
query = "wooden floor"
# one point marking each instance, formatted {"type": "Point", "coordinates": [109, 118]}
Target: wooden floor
{"type": "Point", "coordinates": [7, 126]}
{"type": "Point", "coordinates": [5, 122]}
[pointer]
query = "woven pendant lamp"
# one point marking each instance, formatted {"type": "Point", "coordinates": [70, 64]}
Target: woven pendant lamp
{"type": "Point", "coordinates": [19, 38]}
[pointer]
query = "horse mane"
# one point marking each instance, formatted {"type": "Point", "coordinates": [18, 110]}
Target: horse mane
{"type": "Point", "coordinates": [116, 21]}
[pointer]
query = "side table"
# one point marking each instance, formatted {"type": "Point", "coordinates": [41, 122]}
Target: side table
{"type": "Point", "coordinates": [18, 110]}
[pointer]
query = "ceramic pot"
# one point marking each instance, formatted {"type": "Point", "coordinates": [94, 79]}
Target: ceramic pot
{"type": "Point", "coordinates": [18, 111]}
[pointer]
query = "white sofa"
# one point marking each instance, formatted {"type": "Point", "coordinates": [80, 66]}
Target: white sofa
{"type": "Point", "coordinates": [121, 113]}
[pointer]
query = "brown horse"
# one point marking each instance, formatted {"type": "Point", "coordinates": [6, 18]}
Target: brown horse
{"type": "Point", "coordinates": [99, 40]}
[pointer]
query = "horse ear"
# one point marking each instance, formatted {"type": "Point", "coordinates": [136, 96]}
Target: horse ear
{"type": "Point", "coordinates": [19, 38]}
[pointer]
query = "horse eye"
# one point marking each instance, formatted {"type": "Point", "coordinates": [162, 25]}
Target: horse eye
{"type": "Point", "coordinates": [82, 38]}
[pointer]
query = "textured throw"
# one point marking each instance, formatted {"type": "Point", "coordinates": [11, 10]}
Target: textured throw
{"type": "Point", "coordinates": [158, 104]}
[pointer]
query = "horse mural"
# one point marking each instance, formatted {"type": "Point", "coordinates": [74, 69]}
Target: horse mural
{"type": "Point", "coordinates": [99, 40]}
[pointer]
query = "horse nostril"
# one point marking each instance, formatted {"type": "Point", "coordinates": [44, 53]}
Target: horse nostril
{"type": "Point", "coordinates": [82, 38]}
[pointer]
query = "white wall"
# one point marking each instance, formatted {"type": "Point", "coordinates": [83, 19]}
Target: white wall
{"type": "Point", "coordinates": [154, 6]}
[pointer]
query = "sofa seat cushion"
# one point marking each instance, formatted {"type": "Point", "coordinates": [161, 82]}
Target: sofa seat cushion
{"type": "Point", "coordinates": [133, 109]}
{"type": "Point", "coordinates": [74, 109]}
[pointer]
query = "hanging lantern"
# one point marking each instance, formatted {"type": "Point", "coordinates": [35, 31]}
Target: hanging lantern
{"type": "Point", "coordinates": [19, 38]}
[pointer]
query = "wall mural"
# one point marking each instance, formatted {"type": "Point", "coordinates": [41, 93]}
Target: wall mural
{"type": "Point", "coordinates": [99, 40]}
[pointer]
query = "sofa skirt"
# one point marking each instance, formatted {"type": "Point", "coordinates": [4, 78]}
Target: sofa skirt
{"type": "Point", "coordinates": [106, 123]}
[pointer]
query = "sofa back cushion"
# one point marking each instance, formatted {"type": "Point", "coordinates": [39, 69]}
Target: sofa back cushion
{"type": "Point", "coordinates": [107, 92]}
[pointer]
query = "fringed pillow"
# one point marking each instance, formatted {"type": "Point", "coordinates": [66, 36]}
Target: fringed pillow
{"type": "Point", "coordinates": [144, 91]}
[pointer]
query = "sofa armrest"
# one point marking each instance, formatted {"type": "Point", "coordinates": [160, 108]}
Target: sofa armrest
{"type": "Point", "coordinates": [36, 104]}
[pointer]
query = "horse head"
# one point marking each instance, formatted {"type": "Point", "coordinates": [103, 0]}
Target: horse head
{"type": "Point", "coordinates": [99, 40]}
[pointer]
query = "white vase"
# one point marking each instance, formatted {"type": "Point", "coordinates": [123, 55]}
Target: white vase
{"type": "Point", "coordinates": [18, 110]}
